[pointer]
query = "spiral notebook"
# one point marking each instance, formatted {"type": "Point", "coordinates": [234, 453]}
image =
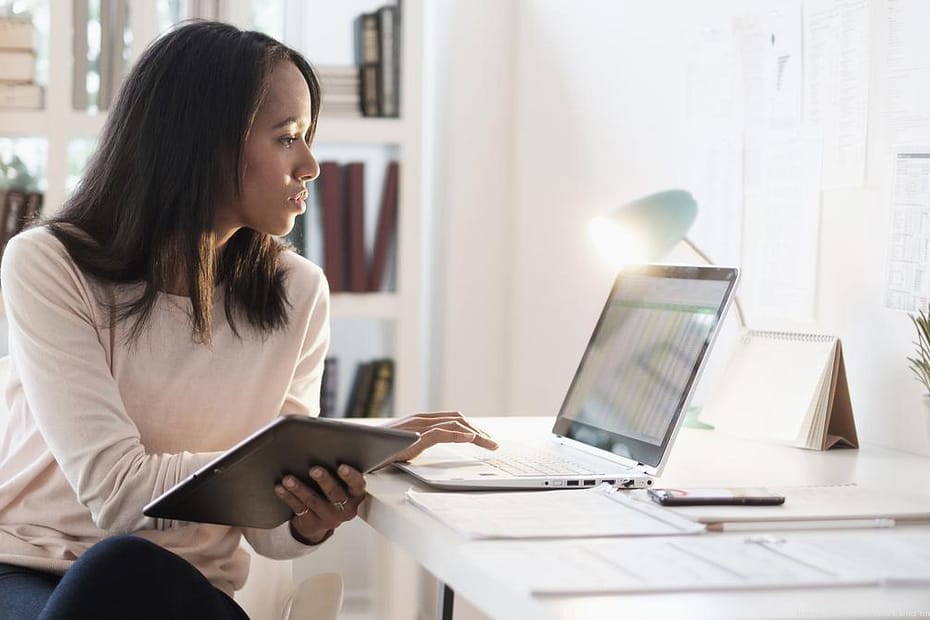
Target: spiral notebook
{"type": "Point", "coordinates": [787, 387]}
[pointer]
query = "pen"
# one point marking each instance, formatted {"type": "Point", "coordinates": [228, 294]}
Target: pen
{"type": "Point", "coordinates": [829, 524]}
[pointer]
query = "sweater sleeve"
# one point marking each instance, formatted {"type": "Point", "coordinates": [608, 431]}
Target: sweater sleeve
{"type": "Point", "coordinates": [302, 398]}
{"type": "Point", "coordinates": [303, 394]}
{"type": "Point", "coordinates": [56, 348]}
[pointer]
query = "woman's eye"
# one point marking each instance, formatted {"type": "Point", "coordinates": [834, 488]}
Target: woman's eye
{"type": "Point", "coordinates": [289, 140]}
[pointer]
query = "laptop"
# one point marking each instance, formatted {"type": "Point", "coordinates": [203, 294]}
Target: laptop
{"type": "Point", "coordinates": [627, 399]}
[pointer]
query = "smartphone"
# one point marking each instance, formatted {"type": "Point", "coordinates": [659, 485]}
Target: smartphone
{"type": "Point", "coordinates": [715, 497]}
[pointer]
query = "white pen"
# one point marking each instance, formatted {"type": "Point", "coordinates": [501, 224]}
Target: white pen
{"type": "Point", "coordinates": [823, 524]}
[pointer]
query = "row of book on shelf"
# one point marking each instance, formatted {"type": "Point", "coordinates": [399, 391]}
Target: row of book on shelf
{"type": "Point", "coordinates": [18, 88]}
{"type": "Point", "coordinates": [372, 86]}
{"type": "Point", "coordinates": [377, 55]}
{"type": "Point", "coordinates": [17, 209]}
{"type": "Point", "coordinates": [370, 395]}
{"type": "Point", "coordinates": [346, 260]}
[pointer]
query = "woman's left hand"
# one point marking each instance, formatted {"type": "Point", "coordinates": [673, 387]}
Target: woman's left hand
{"type": "Point", "coordinates": [318, 513]}
{"type": "Point", "coordinates": [439, 427]}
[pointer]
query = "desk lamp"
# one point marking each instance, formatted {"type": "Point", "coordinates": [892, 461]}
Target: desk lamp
{"type": "Point", "coordinates": [646, 229]}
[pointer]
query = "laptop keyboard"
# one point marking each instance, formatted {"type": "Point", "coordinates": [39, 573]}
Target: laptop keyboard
{"type": "Point", "coordinates": [537, 464]}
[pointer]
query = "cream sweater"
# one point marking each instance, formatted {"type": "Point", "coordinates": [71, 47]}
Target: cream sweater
{"type": "Point", "coordinates": [99, 428]}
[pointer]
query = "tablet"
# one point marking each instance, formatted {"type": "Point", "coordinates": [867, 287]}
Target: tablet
{"type": "Point", "coordinates": [237, 488]}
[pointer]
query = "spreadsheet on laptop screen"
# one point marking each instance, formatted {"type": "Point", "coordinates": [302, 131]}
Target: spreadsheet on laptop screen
{"type": "Point", "coordinates": [642, 359]}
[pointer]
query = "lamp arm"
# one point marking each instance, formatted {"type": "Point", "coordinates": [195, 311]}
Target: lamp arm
{"type": "Point", "coordinates": [736, 305]}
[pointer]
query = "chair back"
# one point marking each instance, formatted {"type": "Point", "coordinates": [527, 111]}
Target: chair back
{"type": "Point", "coordinates": [4, 373]}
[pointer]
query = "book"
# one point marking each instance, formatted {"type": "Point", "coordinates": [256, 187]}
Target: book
{"type": "Point", "coordinates": [331, 192]}
{"type": "Point", "coordinates": [297, 237]}
{"type": "Point", "coordinates": [787, 387]}
{"type": "Point", "coordinates": [329, 388]}
{"type": "Point", "coordinates": [368, 60]}
{"type": "Point", "coordinates": [31, 210]}
{"type": "Point", "coordinates": [18, 66]}
{"type": "Point", "coordinates": [340, 86]}
{"type": "Point", "coordinates": [17, 34]}
{"type": "Point", "coordinates": [3, 194]}
{"type": "Point", "coordinates": [378, 399]}
{"type": "Point", "coordinates": [14, 206]}
{"type": "Point", "coordinates": [385, 233]}
{"type": "Point", "coordinates": [21, 96]}
{"type": "Point", "coordinates": [355, 233]}
{"type": "Point", "coordinates": [357, 407]}
{"type": "Point", "coordinates": [389, 42]}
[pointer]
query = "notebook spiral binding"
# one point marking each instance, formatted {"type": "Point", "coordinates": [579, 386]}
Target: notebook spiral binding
{"type": "Point", "coordinates": [782, 335]}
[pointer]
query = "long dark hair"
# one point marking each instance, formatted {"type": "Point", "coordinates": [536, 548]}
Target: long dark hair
{"type": "Point", "coordinates": [144, 210]}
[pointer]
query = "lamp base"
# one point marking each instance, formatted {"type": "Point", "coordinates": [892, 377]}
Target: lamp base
{"type": "Point", "coordinates": [692, 421]}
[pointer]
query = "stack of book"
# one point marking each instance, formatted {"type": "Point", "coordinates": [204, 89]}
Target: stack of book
{"type": "Point", "coordinates": [346, 260]}
{"type": "Point", "coordinates": [340, 90]}
{"type": "Point", "coordinates": [18, 208]}
{"type": "Point", "coordinates": [371, 389]}
{"type": "Point", "coordinates": [370, 395]}
{"type": "Point", "coordinates": [17, 65]}
{"type": "Point", "coordinates": [377, 53]}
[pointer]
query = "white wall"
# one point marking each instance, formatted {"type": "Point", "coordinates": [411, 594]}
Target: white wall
{"type": "Point", "coordinates": [598, 96]}
{"type": "Point", "coordinates": [470, 86]}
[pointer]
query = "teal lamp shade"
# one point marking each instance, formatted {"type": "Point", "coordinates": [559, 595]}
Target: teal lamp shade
{"type": "Point", "coordinates": [646, 229]}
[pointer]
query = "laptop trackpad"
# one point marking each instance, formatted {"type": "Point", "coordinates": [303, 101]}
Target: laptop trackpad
{"type": "Point", "coordinates": [460, 459]}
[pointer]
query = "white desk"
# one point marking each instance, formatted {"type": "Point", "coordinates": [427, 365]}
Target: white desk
{"type": "Point", "coordinates": [699, 458]}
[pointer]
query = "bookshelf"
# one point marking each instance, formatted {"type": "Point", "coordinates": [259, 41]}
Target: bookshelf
{"type": "Point", "coordinates": [378, 580]}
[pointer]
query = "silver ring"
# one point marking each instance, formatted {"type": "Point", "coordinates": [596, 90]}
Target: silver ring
{"type": "Point", "coordinates": [302, 512]}
{"type": "Point", "coordinates": [340, 505]}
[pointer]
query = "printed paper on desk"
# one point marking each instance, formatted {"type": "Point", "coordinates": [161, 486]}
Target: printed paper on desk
{"type": "Point", "coordinates": [703, 563]}
{"type": "Point", "coordinates": [600, 511]}
{"type": "Point", "coordinates": [816, 502]}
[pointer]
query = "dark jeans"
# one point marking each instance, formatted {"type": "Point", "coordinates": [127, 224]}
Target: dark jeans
{"type": "Point", "coordinates": [119, 577]}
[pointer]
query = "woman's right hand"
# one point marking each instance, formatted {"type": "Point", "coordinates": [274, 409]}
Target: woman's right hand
{"type": "Point", "coordinates": [318, 513]}
{"type": "Point", "coordinates": [439, 427]}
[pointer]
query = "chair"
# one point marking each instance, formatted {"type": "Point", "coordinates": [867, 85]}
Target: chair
{"type": "Point", "coordinates": [269, 593]}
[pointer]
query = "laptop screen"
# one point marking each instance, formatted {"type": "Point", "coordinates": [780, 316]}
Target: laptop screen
{"type": "Point", "coordinates": [644, 357]}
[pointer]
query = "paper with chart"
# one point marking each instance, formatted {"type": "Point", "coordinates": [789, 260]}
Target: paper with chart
{"type": "Point", "coordinates": [782, 223]}
{"type": "Point", "coordinates": [707, 562]}
{"type": "Point", "coordinates": [836, 85]}
{"type": "Point", "coordinates": [599, 511]}
{"type": "Point", "coordinates": [908, 281]}
{"type": "Point", "coordinates": [907, 81]}
{"type": "Point", "coordinates": [714, 143]}
{"type": "Point", "coordinates": [770, 49]}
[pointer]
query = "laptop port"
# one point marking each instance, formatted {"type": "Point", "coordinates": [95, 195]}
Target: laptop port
{"type": "Point", "coordinates": [589, 483]}
{"type": "Point", "coordinates": [572, 483]}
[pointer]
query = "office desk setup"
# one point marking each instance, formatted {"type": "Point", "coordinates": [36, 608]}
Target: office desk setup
{"type": "Point", "coordinates": [699, 458]}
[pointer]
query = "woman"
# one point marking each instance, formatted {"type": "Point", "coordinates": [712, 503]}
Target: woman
{"type": "Point", "coordinates": [155, 322]}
